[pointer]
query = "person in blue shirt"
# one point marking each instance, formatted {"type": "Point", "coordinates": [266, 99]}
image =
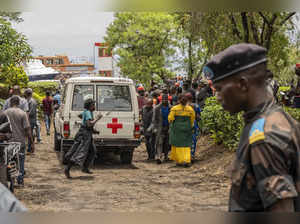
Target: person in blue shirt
{"type": "Point", "coordinates": [57, 97]}
{"type": "Point", "coordinates": [83, 151]}
{"type": "Point", "coordinates": [196, 127]}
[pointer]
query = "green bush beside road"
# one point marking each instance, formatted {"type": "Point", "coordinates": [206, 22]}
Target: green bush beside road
{"type": "Point", "coordinates": [41, 87]}
{"type": "Point", "coordinates": [224, 128]}
{"type": "Point", "coordinates": [294, 112]}
{"type": "Point", "coordinates": [220, 125]}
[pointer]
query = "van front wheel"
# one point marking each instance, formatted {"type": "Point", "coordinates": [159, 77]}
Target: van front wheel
{"type": "Point", "coordinates": [126, 157]}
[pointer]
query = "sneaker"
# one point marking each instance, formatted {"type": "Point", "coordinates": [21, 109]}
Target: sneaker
{"type": "Point", "coordinates": [158, 161]}
{"type": "Point", "coordinates": [67, 173]}
{"type": "Point", "coordinates": [20, 183]}
{"type": "Point", "coordinates": [87, 171]}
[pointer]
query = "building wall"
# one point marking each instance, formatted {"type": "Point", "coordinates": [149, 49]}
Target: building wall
{"type": "Point", "coordinates": [105, 60]}
{"type": "Point", "coordinates": [62, 64]}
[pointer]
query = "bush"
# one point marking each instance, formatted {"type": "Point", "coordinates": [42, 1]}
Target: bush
{"type": "Point", "coordinates": [223, 127]}
{"type": "Point", "coordinates": [41, 87]}
{"type": "Point", "coordinates": [294, 112]}
{"type": "Point", "coordinates": [38, 98]}
{"type": "Point", "coordinates": [13, 75]}
{"type": "Point", "coordinates": [284, 88]}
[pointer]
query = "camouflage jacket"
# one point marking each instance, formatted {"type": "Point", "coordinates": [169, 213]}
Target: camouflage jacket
{"type": "Point", "coordinates": [267, 164]}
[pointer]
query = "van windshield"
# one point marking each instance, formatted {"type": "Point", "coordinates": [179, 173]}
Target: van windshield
{"type": "Point", "coordinates": [81, 93]}
{"type": "Point", "coordinates": [113, 98]}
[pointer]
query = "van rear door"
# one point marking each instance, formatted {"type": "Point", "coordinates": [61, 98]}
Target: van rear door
{"type": "Point", "coordinates": [115, 99]}
{"type": "Point", "coordinates": [81, 92]}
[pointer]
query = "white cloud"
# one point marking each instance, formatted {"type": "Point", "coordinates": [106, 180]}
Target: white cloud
{"type": "Point", "coordinates": [71, 33]}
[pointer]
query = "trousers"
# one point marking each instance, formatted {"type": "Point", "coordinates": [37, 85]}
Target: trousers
{"type": "Point", "coordinates": [150, 145]}
{"type": "Point", "coordinates": [162, 144]}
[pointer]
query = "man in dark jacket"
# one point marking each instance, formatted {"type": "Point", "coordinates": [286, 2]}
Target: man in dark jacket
{"type": "Point", "coordinates": [202, 95]}
{"type": "Point", "coordinates": [147, 115]}
{"type": "Point", "coordinates": [161, 129]}
{"type": "Point", "coordinates": [266, 171]}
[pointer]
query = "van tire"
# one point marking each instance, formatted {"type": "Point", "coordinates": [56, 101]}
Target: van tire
{"type": "Point", "coordinates": [56, 143]}
{"type": "Point", "coordinates": [126, 157]}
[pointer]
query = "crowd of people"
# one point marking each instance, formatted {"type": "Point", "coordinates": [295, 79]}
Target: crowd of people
{"type": "Point", "coordinates": [266, 168]}
{"type": "Point", "coordinates": [170, 116]}
{"type": "Point", "coordinates": [22, 111]}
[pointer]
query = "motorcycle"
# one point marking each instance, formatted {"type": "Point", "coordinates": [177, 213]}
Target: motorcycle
{"type": "Point", "coordinates": [10, 161]}
{"type": "Point", "coordinates": [9, 156]}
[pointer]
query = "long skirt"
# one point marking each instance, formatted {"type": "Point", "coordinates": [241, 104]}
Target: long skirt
{"type": "Point", "coordinates": [181, 140]}
{"type": "Point", "coordinates": [83, 151]}
{"type": "Point", "coordinates": [181, 155]}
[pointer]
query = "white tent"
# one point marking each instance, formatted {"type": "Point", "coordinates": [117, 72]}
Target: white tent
{"type": "Point", "coordinates": [35, 70]}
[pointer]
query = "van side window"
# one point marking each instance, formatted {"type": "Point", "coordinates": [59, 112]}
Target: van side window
{"type": "Point", "coordinates": [113, 98]}
{"type": "Point", "coordinates": [81, 93]}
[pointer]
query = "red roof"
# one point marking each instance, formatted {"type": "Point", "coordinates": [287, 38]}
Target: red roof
{"type": "Point", "coordinates": [298, 65]}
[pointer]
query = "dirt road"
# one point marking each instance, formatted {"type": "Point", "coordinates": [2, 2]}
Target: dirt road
{"type": "Point", "coordinates": [142, 186]}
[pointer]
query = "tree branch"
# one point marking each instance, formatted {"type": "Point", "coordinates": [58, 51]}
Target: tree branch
{"type": "Point", "coordinates": [270, 31]}
{"type": "Point", "coordinates": [202, 66]}
{"type": "Point", "coordinates": [287, 18]}
{"type": "Point", "coordinates": [245, 25]}
{"type": "Point", "coordinates": [262, 33]}
{"type": "Point", "coordinates": [162, 44]}
{"type": "Point", "coordinates": [273, 19]}
{"type": "Point", "coordinates": [254, 28]}
{"type": "Point", "coordinates": [235, 30]}
{"type": "Point", "coordinates": [264, 18]}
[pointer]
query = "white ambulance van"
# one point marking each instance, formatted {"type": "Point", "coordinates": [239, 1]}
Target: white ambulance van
{"type": "Point", "coordinates": [116, 100]}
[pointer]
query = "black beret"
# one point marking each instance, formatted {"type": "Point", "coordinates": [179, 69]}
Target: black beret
{"type": "Point", "coordinates": [234, 59]}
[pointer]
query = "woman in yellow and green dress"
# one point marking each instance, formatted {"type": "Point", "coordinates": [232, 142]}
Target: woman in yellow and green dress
{"type": "Point", "coordinates": [181, 118]}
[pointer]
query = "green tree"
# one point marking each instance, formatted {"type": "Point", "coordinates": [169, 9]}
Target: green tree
{"type": "Point", "coordinates": [194, 51]}
{"type": "Point", "coordinates": [14, 51]}
{"type": "Point", "coordinates": [14, 75]}
{"type": "Point", "coordinates": [220, 29]}
{"type": "Point", "coordinates": [143, 42]}
{"type": "Point", "coordinates": [14, 48]}
{"type": "Point", "coordinates": [11, 16]}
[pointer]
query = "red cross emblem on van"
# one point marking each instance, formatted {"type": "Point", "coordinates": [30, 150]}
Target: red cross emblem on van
{"type": "Point", "coordinates": [115, 126]}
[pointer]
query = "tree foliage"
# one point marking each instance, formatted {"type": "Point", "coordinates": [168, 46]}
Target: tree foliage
{"type": "Point", "coordinates": [14, 51]}
{"type": "Point", "coordinates": [13, 75]}
{"type": "Point", "coordinates": [158, 43]}
{"type": "Point", "coordinates": [219, 30]}
{"type": "Point", "coordinates": [14, 48]}
{"type": "Point", "coordinates": [193, 49]}
{"type": "Point", "coordinates": [11, 16]}
{"type": "Point", "coordinates": [143, 42]}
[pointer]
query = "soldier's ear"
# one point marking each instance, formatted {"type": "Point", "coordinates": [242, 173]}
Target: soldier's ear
{"type": "Point", "coordinates": [243, 83]}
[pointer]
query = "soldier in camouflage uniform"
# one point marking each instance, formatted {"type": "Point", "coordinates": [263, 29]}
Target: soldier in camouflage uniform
{"type": "Point", "coordinates": [266, 171]}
